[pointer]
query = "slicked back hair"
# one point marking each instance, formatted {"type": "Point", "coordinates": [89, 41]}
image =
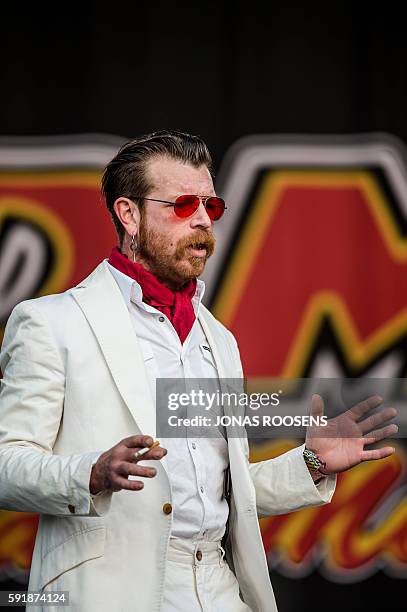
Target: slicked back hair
{"type": "Point", "coordinates": [125, 175]}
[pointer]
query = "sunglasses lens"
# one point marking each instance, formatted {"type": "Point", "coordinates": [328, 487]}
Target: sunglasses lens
{"type": "Point", "coordinates": [215, 207]}
{"type": "Point", "coordinates": [186, 205]}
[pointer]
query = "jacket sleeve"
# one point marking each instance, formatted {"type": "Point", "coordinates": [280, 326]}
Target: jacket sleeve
{"type": "Point", "coordinates": [32, 478]}
{"type": "Point", "coordinates": [284, 484]}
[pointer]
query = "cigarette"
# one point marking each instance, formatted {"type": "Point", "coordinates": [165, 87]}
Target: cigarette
{"type": "Point", "coordinates": [145, 450]}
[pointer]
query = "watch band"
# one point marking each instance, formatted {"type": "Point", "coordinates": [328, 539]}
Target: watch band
{"type": "Point", "coordinates": [313, 462]}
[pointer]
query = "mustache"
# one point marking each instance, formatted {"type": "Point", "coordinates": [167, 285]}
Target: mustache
{"type": "Point", "coordinates": [201, 237]}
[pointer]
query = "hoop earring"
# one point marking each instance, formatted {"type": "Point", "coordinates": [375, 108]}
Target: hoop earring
{"type": "Point", "coordinates": [133, 247]}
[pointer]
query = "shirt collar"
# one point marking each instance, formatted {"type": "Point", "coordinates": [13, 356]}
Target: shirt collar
{"type": "Point", "coordinates": [132, 291]}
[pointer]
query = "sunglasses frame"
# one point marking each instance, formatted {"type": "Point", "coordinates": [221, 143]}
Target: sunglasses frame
{"type": "Point", "coordinates": [202, 199]}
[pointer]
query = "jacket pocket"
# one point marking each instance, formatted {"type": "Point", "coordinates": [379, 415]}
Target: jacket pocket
{"type": "Point", "coordinates": [79, 547]}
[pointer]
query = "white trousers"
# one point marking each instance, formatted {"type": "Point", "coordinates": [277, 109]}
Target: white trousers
{"type": "Point", "coordinates": [198, 579]}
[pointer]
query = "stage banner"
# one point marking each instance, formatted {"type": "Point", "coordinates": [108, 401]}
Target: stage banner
{"type": "Point", "coordinates": [311, 277]}
{"type": "Point", "coordinates": [53, 223]}
{"type": "Point", "coordinates": [54, 229]}
{"type": "Point", "coordinates": [309, 274]}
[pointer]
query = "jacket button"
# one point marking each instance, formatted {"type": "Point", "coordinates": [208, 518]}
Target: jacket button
{"type": "Point", "coordinates": [71, 509]}
{"type": "Point", "coordinates": [198, 555]}
{"type": "Point", "coordinates": [167, 508]}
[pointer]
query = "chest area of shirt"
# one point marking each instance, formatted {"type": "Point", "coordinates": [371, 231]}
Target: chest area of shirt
{"type": "Point", "coordinates": [162, 350]}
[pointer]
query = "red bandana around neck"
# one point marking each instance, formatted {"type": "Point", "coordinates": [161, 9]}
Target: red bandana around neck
{"type": "Point", "coordinates": [176, 305]}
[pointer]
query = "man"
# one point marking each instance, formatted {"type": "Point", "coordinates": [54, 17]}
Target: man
{"type": "Point", "coordinates": [79, 377]}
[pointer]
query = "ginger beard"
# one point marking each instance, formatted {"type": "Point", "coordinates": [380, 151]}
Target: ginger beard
{"type": "Point", "coordinates": [176, 266]}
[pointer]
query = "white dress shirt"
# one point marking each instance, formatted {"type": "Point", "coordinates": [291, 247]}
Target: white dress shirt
{"type": "Point", "coordinates": [196, 466]}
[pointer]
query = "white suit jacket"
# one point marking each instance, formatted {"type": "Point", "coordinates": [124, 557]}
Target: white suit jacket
{"type": "Point", "coordinates": [74, 385]}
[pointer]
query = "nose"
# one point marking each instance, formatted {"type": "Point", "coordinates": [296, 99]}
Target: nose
{"type": "Point", "coordinates": [201, 218]}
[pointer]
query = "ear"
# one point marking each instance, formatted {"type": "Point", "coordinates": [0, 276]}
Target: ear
{"type": "Point", "coordinates": [128, 215]}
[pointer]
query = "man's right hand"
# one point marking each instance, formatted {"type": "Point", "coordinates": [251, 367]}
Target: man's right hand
{"type": "Point", "coordinates": [111, 470]}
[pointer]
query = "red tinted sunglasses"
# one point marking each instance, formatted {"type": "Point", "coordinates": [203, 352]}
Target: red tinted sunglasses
{"type": "Point", "coordinates": [186, 205]}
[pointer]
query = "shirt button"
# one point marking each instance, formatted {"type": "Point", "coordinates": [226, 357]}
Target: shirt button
{"type": "Point", "coordinates": [198, 555]}
{"type": "Point", "coordinates": [161, 319]}
{"type": "Point", "coordinates": [201, 489]}
{"type": "Point", "coordinates": [167, 508]}
{"type": "Point", "coordinates": [193, 445]}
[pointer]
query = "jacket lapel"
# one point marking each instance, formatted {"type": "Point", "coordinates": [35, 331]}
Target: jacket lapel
{"type": "Point", "coordinates": [204, 319]}
{"type": "Point", "coordinates": [227, 366]}
{"type": "Point", "coordinates": [225, 358]}
{"type": "Point", "coordinates": [102, 303]}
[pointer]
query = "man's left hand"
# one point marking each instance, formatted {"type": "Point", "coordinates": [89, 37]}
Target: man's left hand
{"type": "Point", "coordinates": [340, 444]}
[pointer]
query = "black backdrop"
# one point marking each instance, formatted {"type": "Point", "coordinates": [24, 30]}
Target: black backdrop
{"type": "Point", "coordinates": [222, 70]}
